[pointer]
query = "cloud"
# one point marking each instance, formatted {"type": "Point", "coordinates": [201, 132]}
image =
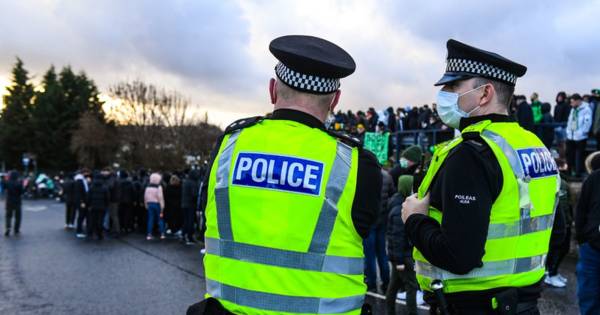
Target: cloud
{"type": "Point", "coordinates": [217, 51]}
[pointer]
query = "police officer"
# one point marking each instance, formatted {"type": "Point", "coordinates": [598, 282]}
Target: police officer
{"type": "Point", "coordinates": [482, 218]}
{"type": "Point", "coordinates": [289, 202]}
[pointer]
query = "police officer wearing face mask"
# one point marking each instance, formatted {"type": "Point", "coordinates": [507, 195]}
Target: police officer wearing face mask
{"type": "Point", "coordinates": [482, 218]}
{"type": "Point", "coordinates": [288, 202]}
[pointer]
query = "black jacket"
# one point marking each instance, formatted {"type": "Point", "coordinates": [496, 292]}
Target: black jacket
{"type": "Point", "coordinates": [561, 112]}
{"type": "Point", "coordinates": [98, 196]}
{"type": "Point", "coordinates": [14, 190]}
{"type": "Point", "coordinates": [398, 245]}
{"type": "Point", "coordinates": [525, 116]}
{"type": "Point", "coordinates": [113, 189]}
{"type": "Point", "coordinates": [68, 191]}
{"type": "Point", "coordinates": [172, 202]}
{"type": "Point", "coordinates": [387, 190]}
{"type": "Point", "coordinates": [189, 191]}
{"type": "Point", "coordinates": [79, 193]}
{"type": "Point", "coordinates": [126, 191]}
{"type": "Point", "coordinates": [470, 169]}
{"type": "Point", "coordinates": [587, 215]}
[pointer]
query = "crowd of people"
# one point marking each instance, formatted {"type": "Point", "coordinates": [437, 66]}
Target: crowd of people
{"type": "Point", "coordinates": [565, 127]}
{"type": "Point", "coordinates": [115, 202]}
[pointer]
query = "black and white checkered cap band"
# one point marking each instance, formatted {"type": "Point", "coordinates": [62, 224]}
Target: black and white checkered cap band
{"type": "Point", "coordinates": [480, 68]}
{"type": "Point", "coordinates": [305, 82]}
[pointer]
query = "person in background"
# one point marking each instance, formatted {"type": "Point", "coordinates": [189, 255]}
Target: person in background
{"type": "Point", "coordinates": [360, 133]}
{"type": "Point", "coordinates": [561, 115]}
{"type": "Point", "coordinates": [410, 159]}
{"type": "Point", "coordinates": [189, 201]}
{"type": "Point", "coordinates": [559, 249]}
{"type": "Point", "coordinates": [14, 193]}
{"type": "Point", "coordinates": [126, 198]}
{"type": "Point", "coordinates": [587, 233]}
{"type": "Point", "coordinates": [524, 113]}
{"type": "Point", "coordinates": [155, 204]}
{"type": "Point", "coordinates": [112, 215]}
{"type": "Point", "coordinates": [69, 197]}
{"type": "Point", "coordinates": [391, 123]}
{"type": "Point", "coordinates": [557, 239]}
{"type": "Point", "coordinates": [80, 198]}
{"type": "Point", "coordinates": [536, 108]}
{"type": "Point", "coordinates": [546, 129]}
{"type": "Point", "coordinates": [578, 127]}
{"type": "Point", "coordinates": [173, 211]}
{"type": "Point", "coordinates": [399, 251]}
{"type": "Point", "coordinates": [98, 200]}
{"type": "Point", "coordinates": [374, 244]}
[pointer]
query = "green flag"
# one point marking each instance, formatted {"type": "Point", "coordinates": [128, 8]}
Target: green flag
{"type": "Point", "coordinates": [378, 144]}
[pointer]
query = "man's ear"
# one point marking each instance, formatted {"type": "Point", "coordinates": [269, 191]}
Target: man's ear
{"type": "Point", "coordinates": [273, 90]}
{"type": "Point", "coordinates": [335, 100]}
{"type": "Point", "coordinates": [488, 95]}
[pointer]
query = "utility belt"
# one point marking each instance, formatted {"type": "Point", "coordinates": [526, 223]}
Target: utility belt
{"type": "Point", "coordinates": [505, 302]}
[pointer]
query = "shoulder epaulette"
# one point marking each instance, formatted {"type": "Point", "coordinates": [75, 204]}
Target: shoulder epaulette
{"type": "Point", "coordinates": [345, 138]}
{"type": "Point", "coordinates": [243, 123]}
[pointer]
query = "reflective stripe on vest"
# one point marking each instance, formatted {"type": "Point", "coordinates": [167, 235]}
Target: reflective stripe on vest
{"type": "Point", "coordinates": [283, 303]}
{"type": "Point", "coordinates": [526, 224]}
{"type": "Point", "coordinates": [489, 269]}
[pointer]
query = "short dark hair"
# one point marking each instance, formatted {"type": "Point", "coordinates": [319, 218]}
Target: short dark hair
{"type": "Point", "coordinates": [503, 90]}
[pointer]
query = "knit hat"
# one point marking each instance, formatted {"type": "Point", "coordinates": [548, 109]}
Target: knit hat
{"type": "Point", "coordinates": [413, 153]}
{"type": "Point", "coordinates": [405, 183]}
{"type": "Point", "coordinates": [592, 162]}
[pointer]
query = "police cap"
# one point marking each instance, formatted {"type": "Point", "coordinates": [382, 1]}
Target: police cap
{"type": "Point", "coordinates": [311, 64]}
{"type": "Point", "coordinates": [465, 62]}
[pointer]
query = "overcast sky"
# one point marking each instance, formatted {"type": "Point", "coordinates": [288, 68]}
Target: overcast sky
{"type": "Point", "coordinates": [216, 52]}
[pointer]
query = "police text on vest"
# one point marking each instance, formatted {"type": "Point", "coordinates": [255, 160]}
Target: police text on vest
{"type": "Point", "coordinates": [537, 162]}
{"type": "Point", "coordinates": [278, 172]}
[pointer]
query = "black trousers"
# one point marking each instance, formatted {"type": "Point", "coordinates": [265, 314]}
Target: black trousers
{"type": "Point", "coordinates": [94, 225]}
{"type": "Point", "coordinates": [576, 156]}
{"type": "Point", "coordinates": [188, 222]}
{"type": "Point", "coordinates": [557, 253]}
{"type": "Point", "coordinates": [126, 216]}
{"type": "Point", "coordinates": [13, 210]}
{"type": "Point", "coordinates": [69, 213]}
{"type": "Point", "coordinates": [407, 280]}
{"type": "Point", "coordinates": [82, 214]}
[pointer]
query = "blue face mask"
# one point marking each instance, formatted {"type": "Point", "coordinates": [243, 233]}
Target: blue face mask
{"type": "Point", "coordinates": [448, 110]}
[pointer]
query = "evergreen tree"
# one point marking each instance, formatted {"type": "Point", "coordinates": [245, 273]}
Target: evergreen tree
{"type": "Point", "coordinates": [63, 99]}
{"type": "Point", "coordinates": [15, 120]}
{"type": "Point", "coordinates": [51, 126]}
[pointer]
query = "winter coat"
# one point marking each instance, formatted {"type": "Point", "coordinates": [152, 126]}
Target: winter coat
{"type": "Point", "coordinates": [387, 190]}
{"type": "Point", "coordinates": [98, 196]}
{"type": "Point", "coordinates": [126, 191]}
{"type": "Point", "coordinates": [398, 244]}
{"type": "Point", "coordinates": [80, 191]}
{"type": "Point", "coordinates": [579, 123]}
{"type": "Point", "coordinates": [189, 192]}
{"type": "Point", "coordinates": [14, 191]}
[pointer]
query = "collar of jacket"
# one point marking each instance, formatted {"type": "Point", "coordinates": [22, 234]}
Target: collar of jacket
{"type": "Point", "coordinates": [466, 122]}
{"type": "Point", "coordinates": [298, 116]}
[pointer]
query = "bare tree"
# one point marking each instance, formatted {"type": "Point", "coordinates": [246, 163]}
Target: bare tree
{"type": "Point", "coordinates": [94, 142]}
{"type": "Point", "coordinates": [159, 127]}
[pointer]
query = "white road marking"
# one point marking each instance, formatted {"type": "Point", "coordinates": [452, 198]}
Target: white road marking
{"type": "Point", "coordinates": [35, 208]}
{"type": "Point", "coordinates": [379, 296]}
